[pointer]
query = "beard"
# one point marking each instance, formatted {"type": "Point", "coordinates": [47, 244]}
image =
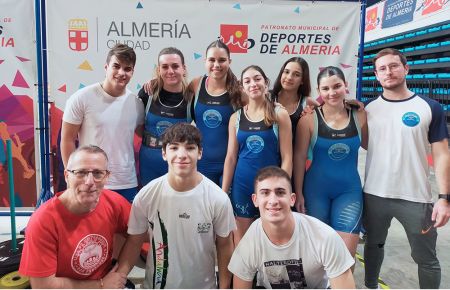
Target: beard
{"type": "Point", "coordinates": [394, 84]}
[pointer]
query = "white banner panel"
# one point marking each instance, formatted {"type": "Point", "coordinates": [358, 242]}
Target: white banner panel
{"type": "Point", "coordinates": [392, 17]}
{"type": "Point", "coordinates": [17, 91]}
{"type": "Point", "coordinates": [265, 33]}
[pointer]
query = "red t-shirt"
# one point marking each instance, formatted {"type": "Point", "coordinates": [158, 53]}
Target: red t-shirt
{"type": "Point", "coordinates": [70, 245]}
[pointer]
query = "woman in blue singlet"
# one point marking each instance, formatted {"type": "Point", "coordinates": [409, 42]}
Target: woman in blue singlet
{"type": "Point", "coordinates": [333, 134]}
{"type": "Point", "coordinates": [217, 96]}
{"type": "Point", "coordinates": [259, 135]}
{"type": "Point", "coordinates": [291, 88]}
{"type": "Point", "coordinates": [167, 101]}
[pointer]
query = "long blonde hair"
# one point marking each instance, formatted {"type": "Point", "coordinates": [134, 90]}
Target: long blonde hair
{"type": "Point", "coordinates": [157, 83]}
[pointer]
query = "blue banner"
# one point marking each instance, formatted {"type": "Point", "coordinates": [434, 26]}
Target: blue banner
{"type": "Point", "coordinates": [397, 12]}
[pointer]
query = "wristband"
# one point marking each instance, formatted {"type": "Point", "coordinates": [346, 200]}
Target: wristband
{"type": "Point", "coordinates": [444, 196]}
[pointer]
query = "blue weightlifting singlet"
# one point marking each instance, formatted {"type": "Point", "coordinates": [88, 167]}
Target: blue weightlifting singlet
{"type": "Point", "coordinates": [258, 148]}
{"type": "Point", "coordinates": [295, 116]}
{"type": "Point", "coordinates": [212, 114]}
{"type": "Point", "coordinates": [332, 186]}
{"type": "Point", "coordinates": [168, 109]}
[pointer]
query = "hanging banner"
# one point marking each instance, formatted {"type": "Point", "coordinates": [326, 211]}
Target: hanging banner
{"type": "Point", "coordinates": [266, 33]}
{"type": "Point", "coordinates": [397, 12]}
{"type": "Point", "coordinates": [17, 91]}
{"type": "Point", "coordinates": [391, 17]}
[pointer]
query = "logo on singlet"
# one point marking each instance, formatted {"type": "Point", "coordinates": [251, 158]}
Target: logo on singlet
{"type": "Point", "coordinates": [212, 118]}
{"type": "Point", "coordinates": [255, 143]}
{"type": "Point", "coordinates": [161, 126]}
{"type": "Point", "coordinates": [90, 253]}
{"type": "Point", "coordinates": [411, 119]}
{"type": "Point", "coordinates": [243, 208]}
{"type": "Point", "coordinates": [338, 151]}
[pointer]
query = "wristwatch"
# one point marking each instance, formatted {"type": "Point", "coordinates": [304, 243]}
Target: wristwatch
{"type": "Point", "coordinates": [444, 196]}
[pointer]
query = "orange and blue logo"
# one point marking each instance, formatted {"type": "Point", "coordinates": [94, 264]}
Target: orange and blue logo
{"type": "Point", "coordinates": [78, 34]}
{"type": "Point", "coordinates": [372, 19]}
{"type": "Point", "coordinates": [236, 37]}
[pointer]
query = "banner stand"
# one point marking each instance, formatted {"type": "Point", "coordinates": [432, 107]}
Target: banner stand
{"type": "Point", "coordinates": [361, 50]}
{"type": "Point", "coordinates": [41, 57]}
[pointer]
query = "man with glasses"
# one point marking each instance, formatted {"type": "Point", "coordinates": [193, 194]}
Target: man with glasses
{"type": "Point", "coordinates": [402, 125]}
{"type": "Point", "coordinates": [107, 114]}
{"type": "Point", "coordinates": [69, 239]}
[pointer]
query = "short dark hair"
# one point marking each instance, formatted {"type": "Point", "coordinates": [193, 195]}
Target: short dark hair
{"type": "Point", "coordinates": [182, 132]}
{"type": "Point", "coordinates": [389, 51]}
{"type": "Point", "coordinates": [123, 53]}
{"type": "Point", "coordinates": [271, 171]}
{"type": "Point", "coordinates": [92, 149]}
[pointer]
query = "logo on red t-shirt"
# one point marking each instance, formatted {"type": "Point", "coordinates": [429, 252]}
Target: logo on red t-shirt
{"type": "Point", "coordinates": [90, 253]}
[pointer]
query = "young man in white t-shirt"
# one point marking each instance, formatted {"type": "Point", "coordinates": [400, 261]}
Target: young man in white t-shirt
{"type": "Point", "coordinates": [107, 114]}
{"type": "Point", "coordinates": [189, 217]}
{"type": "Point", "coordinates": [403, 127]}
{"type": "Point", "coordinates": [288, 249]}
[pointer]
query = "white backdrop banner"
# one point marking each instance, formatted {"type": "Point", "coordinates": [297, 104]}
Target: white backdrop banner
{"type": "Point", "coordinates": [266, 33]}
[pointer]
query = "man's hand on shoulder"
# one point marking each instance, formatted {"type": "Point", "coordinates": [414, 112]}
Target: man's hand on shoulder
{"type": "Point", "coordinates": [310, 105]}
{"type": "Point", "coordinates": [354, 104]}
{"type": "Point", "coordinates": [148, 87]}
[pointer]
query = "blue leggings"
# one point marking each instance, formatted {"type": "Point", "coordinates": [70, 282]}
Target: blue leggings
{"type": "Point", "coordinates": [212, 170]}
{"type": "Point", "coordinates": [343, 211]}
{"type": "Point", "coordinates": [151, 164]}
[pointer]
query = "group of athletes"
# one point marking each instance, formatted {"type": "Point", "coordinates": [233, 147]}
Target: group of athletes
{"type": "Point", "coordinates": [225, 187]}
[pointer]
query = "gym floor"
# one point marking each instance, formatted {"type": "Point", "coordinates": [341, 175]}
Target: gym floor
{"type": "Point", "coordinates": [398, 270]}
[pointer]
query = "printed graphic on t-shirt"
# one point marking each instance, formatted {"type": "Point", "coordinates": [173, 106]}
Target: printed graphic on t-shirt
{"type": "Point", "coordinates": [184, 216]}
{"type": "Point", "coordinates": [410, 119]}
{"type": "Point", "coordinates": [285, 274]}
{"type": "Point", "coordinates": [90, 253]}
{"type": "Point", "coordinates": [160, 254]}
{"type": "Point", "coordinates": [203, 228]}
